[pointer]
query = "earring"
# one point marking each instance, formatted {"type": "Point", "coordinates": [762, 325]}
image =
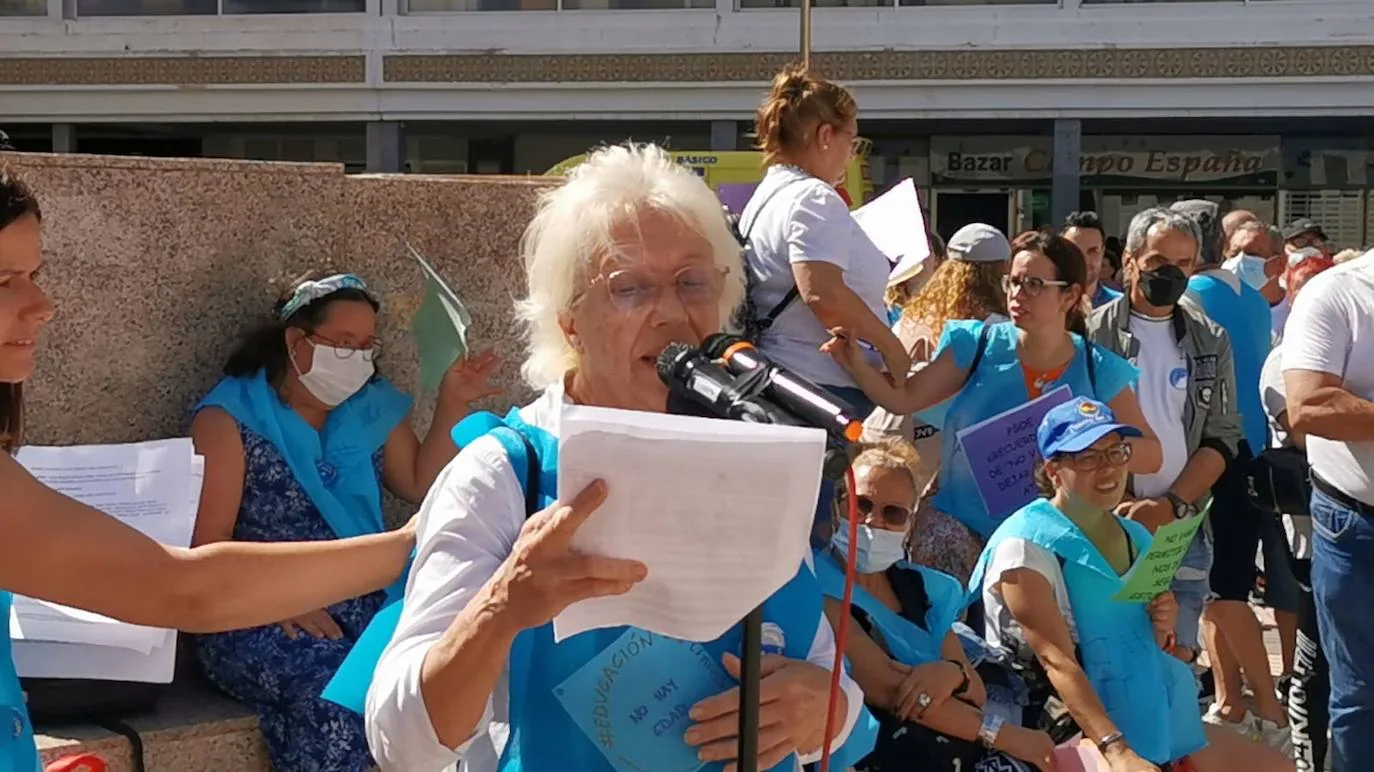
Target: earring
{"type": "Point", "coordinates": [825, 147]}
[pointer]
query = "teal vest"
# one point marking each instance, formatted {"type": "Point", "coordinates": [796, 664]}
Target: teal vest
{"type": "Point", "coordinates": [906, 642]}
{"type": "Point", "coordinates": [604, 700]}
{"type": "Point", "coordinates": [18, 752]}
{"type": "Point", "coordinates": [1148, 694]}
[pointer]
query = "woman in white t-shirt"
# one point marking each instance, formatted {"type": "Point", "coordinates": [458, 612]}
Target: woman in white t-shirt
{"type": "Point", "coordinates": [812, 267]}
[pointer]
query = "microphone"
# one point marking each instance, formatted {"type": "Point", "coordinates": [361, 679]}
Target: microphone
{"type": "Point", "coordinates": [812, 404]}
{"type": "Point", "coordinates": [693, 378]}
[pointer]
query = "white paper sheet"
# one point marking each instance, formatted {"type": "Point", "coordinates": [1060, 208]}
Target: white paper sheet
{"type": "Point", "coordinates": [896, 226]}
{"type": "Point", "coordinates": [48, 659]}
{"type": "Point", "coordinates": [153, 487]}
{"type": "Point", "coordinates": [719, 511]}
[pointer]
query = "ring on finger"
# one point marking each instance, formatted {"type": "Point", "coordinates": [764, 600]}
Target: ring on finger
{"type": "Point", "coordinates": [923, 700]}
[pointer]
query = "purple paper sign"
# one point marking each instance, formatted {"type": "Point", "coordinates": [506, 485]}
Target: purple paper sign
{"type": "Point", "coordinates": [734, 195]}
{"type": "Point", "coordinates": [1001, 452]}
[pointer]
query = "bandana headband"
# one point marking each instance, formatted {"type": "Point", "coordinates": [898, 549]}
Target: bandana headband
{"type": "Point", "coordinates": [310, 291]}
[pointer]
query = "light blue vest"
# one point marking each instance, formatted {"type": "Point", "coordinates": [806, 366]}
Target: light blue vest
{"type": "Point", "coordinates": [18, 753]}
{"type": "Point", "coordinates": [1149, 695]}
{"type": "Point", "coordinates": [543, 733]}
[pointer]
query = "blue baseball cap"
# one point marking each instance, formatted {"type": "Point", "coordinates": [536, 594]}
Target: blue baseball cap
{"type": "Point", "coordinates": [1075, 425]}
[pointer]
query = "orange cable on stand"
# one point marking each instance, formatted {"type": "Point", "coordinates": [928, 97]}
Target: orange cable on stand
{"type": "Point", "coordinates": [842, 631]}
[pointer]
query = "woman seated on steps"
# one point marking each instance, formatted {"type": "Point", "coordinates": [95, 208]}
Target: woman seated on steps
{"type": "Point", "coordinates": [299, 439]}
{"type": "Point", "coordinates": [1048, 580]}
{"type": "Point", "coordinates": [916, 679]}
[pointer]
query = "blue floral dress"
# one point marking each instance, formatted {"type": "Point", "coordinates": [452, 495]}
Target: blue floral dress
{"type": "Point", "coordinates": [279, 677]}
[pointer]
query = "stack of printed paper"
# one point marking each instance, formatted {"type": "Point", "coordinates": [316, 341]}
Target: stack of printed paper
{"type": "Point", "coordinates": [153, 487]}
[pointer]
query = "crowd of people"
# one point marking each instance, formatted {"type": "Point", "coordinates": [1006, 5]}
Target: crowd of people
{"type": "Point", "coordinates": [986, 632]}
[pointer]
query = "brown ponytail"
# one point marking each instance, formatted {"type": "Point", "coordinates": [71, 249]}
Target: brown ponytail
{"type": "Point", "coordinates": [798, 101]}
{"type": "Point", "coordinates": [1069, 266]}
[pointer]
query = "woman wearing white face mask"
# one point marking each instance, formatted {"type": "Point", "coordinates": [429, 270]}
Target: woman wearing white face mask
{"type": "Point", "coordinates": [915, 676]}
{"type": "Point", "coordinates": [299, 439]}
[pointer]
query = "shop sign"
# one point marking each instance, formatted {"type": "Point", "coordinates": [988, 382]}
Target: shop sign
{"type": "Point", "coordinates": [952, 162]}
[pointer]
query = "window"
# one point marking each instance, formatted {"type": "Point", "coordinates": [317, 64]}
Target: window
{"type": "Point", "coordinates": [211, 7]}
{"type": "Point", "coordinates": [444, 6]}
{"type": "Point", "coordinates": [23, 7]}
{"type": "Point", "coordinates": [885, 3]}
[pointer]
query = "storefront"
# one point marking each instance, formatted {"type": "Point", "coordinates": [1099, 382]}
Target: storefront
{"type": "Point", "coordinates": [1005, 181]}
{"type": "Point", "coordinates": [1329, 180]}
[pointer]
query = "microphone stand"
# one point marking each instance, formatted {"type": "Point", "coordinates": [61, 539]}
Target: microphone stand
{"type": "Point", "coordinates": [836, 460]}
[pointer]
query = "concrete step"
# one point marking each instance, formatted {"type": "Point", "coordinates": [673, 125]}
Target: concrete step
{"type": "Point", "coordinates": [194, 728]}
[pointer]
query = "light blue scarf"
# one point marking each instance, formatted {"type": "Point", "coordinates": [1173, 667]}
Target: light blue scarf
{"type": "Point", "coordinates": [333, 465]}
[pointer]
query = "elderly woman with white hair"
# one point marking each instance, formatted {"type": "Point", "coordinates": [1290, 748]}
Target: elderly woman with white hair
{"type": "Point", "coordinates": [630, 254]}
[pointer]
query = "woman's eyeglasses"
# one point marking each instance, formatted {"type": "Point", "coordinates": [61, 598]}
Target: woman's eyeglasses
{"type": "Point", "coordinates": [891, 514]}
{"type": "Point", "coordinates": [1092, 460]}
{"type": "Point", "coordinates": [368, 350]}
{"type": "Point", "coordinates": [633, 290]}
{"type": "Point", "coordinates": [1031, 285]}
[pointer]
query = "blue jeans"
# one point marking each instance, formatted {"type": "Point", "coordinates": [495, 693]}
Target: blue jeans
{"type": "Point", "coordinates": [821, 526]}
{"type": "Point", "coordinates": [1343, 586]}
{"type": "Point", "coordinates": [1192, 588]}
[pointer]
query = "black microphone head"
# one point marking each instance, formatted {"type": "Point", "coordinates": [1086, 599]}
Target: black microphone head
{"type": "Point", "coordinates": [715, 345]}
{"type": "Point", "coordinates": [670, 360]}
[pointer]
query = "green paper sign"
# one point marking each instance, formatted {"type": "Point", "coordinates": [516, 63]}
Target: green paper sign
{"type": "Point", "coordinates": [440, 326]}
{"type": "Point", "coordinates": [1154, 571]}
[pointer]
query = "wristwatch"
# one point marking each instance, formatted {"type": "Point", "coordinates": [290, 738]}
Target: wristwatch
{"type": "Point", "coordinates": [1182, 509]}
{"type": "Point", "coordinates": [963, 685]}
{"type": "Point", "coordinates": [990, 728]}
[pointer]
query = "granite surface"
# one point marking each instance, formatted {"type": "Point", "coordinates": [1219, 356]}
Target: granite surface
{"type": "Point", "coordinates": [157, 265]}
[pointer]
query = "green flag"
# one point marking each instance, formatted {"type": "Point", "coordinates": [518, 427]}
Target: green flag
{"type": "Point", "coordinates": [440, 326]}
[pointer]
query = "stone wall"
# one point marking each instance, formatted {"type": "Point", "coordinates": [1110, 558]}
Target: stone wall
{"type": "Point", "coordinates": [155, 266]}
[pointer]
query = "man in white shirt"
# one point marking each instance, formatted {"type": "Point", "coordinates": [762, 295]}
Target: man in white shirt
{"type": "Point", "coordinates": [1331, 402]}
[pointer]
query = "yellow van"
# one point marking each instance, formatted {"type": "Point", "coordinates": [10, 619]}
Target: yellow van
{"type": "Point", "coordinates": [738, 171]}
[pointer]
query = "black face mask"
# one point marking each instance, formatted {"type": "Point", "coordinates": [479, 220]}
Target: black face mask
{"type": "Point", "coordinates": [1163, 287]}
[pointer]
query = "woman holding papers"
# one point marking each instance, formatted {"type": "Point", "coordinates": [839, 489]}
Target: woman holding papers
{"type": "Point", "coordinates": [989, 374]}
{"type": "Point", "coordinates": [909, 662]}
{"type": "Point", "coordinates": [299, 439]}
{"type": "Point", "coordinates": [57, 549]}
{"type": "Point", "coordinates": [1048, 581]}
{"type": "Point", "coordinates": [629, 255]}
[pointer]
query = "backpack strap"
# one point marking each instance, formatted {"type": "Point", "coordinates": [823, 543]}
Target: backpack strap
{"type": "Point", "coordinates": [789, 297]}
{"type": "Point", "coordinates": [983, 335]}
{"type": "Point", "coordinates": [524, 459]}
{"type": "Point", "coordinates": [1092, 365]}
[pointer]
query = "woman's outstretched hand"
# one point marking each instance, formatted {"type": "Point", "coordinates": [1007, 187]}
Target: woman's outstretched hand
{"type": "Point", "coordinates": [469, 379]}
{"type": "Point", "coordinates": [544, 575]}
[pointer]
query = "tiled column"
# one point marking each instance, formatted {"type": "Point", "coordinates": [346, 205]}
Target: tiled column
{"type": "Point", "coordinates": [385, 147]}
{"type": "Point", "coordinates": [724, 135]}
{"type": "Point", "coordinates": [1064, 186]}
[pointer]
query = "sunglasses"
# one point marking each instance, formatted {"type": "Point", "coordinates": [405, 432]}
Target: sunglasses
{"type": "Point", "coordinates": [891, 514]}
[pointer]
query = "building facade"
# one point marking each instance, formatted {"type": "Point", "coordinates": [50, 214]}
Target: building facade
{"type": "Point", "coordinates": [1008, 112]}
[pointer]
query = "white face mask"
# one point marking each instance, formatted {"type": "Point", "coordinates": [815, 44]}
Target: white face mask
{"type": "Point", "coordinates": [335, 373]}
{"type": "Point", "coordinates": [878, 549]}
{"type": "Point", "coordinates": [1249, 269]}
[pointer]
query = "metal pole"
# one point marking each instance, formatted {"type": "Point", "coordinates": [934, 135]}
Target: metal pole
{"type": "Point", "coordinates": [749, 677]}
{"type": "Point", "coordinates": [806, 33]}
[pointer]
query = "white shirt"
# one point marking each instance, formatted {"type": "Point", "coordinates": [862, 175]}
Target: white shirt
{"type": "Point", "coordinates": [1298, 528]}
{"type": "Point", "coordinates": [1001, 631]}
{"type": "Point", "coordinates": [807, 221]}
{"type": "Point", "coordinates": [1278, 315]}
{"type": "Point", "coordinates": [1163, 391]}
{"type": "Point", "coordinates": [468, 524]}
{"type": "Point", "coordinates": [1333, 318]}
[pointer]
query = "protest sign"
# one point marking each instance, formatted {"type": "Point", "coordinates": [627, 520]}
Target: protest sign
{"type": "Point", "coordinates": [1154, 571]}
{"type": "Point", "coordinates": [440, 326]}
{"type": "Point", "coordinates": [1001, 452]}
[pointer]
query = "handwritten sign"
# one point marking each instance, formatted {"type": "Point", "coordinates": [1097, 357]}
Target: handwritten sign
{"type": "Point", "coordinates": [1154, 571]}
{"type": "Point", "coordinates": [1001, 452]}
{"type": "Point", "coordinates": [632, 700]}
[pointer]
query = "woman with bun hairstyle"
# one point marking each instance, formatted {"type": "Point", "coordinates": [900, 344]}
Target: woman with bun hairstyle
{"type": "Point", "coordinates": [810, 267]}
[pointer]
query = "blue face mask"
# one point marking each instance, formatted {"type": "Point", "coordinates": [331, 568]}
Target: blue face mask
{"type": "Point", "coordinates": [1249, 269]}
{"type": "Point", "coordinates": [878, 549]}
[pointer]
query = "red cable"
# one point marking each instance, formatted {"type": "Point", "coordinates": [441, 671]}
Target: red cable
{"type": "Point", "coordinates": [842, 631]}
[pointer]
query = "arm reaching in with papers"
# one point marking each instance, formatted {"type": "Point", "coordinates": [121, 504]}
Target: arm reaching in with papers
{"type": "Point", "coordinates": [60, 550]}
{"type": "Point", "coordinates": [936, 382]}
